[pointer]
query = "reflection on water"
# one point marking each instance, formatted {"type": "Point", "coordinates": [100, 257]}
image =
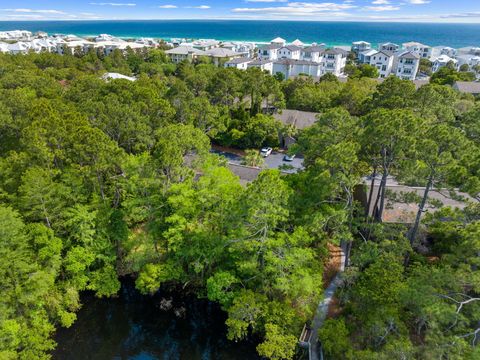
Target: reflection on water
{"type": "Point", "coordinates": [135, 327]}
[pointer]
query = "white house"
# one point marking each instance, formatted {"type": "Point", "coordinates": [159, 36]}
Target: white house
{"type": "Point", "coordinates": [364, 57]}
{"type": "Point", "coordinates": [442, 61]}
{"type": "Point", "coordinates": [3, 47]}
{"type": "Point", "coordinates": [239, 63]}
{"type": "Point", "coordinates": [184, 52]}
{"type": "Point", "coordinates": [407, 65]}
{"type": "Point", "coordinates": [279, 41]}
{"type": "Point", "coordinates": [16, 35]}
{"type": "Point", "coordinates": [298, 43]}
{"type": "Point", "coordinates": [334, 61]}
{"type": "Point", "coordinates": [424, 51]}
{"type": "Point", "coordinates": [264, 65]}
{"type": "Point", "coordinates": [18, 48]}
{"type": "Point", "coordinates": [291, 67]}
{"type": "Point", "coordinates": [360, 46]}
{"type": "Point", "coordinates": [269, 52]}
{"type": "Point", "coordinates": [245, 48]}
{"type": "Point", "coordinates": [312, 53]}
{"type": "Point", "coordinates": [470, 60]}
{"type": "Point", "coordinates": [389, 46]}
{"type": "Point", "coordinates": [289, 52]}
{"type": "Point", "coordinates": [205, 44]}
{"type": "Point", "coordinates": [442, 50]}
{"type": "Point", "coordinates": [383, 61]}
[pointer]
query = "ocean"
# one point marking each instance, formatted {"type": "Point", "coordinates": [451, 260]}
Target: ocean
{"type": "Point", "coordinates": [331, 33]}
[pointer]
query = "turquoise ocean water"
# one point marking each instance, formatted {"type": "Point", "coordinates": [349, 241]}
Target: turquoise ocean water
{"type": "Point", "coordinates": [331, 33]}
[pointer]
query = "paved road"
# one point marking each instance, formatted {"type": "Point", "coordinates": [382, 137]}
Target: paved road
{"type": "Point", "coordinates": [274, 161]}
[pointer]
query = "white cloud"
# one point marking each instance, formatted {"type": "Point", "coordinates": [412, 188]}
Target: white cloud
{"type": "Point", "coordinates": [418, 2]}
{"type": "Point", "coordinates": [461, 15]}
{"type": "Point", "coordinates": [34, 11]}
{"type": "Point", "coordinates": [381, 2]}
{"type": "Point", "coordinates": [381, 8]}
{"type": "Point", "coordinates": [167, 6]}
{"type": "Point", "coordinates": [24, 16]}
{"type": "Point", "coordinates": [113, 4]}
{"type": "Point", "coordinates": [266, 1]}
{"type": "Point", "coordinates": [300, 9]}
{"type": "Point", "coordinates": [201, 7]}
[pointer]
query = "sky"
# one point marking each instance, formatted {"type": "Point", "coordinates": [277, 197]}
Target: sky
{"type": "Point", "coordinates": [465, 11]}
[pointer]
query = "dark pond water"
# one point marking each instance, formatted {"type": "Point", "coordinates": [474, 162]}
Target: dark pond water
{"type": "Point", "coordinates": [135, 327]}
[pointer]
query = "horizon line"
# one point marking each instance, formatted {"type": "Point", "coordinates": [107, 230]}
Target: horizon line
{"type": "Point", "coordinates": [280, 20]}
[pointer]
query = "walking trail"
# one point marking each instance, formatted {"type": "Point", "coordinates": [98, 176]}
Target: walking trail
{"type": "Point", "coordinates": [323, 306]}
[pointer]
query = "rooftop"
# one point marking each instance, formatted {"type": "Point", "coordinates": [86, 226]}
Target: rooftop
{"type": "Point", "coordinates": [469, 87]}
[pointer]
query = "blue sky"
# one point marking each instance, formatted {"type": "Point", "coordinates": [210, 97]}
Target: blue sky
{"type": "Point", "coordinates": [334, 10]}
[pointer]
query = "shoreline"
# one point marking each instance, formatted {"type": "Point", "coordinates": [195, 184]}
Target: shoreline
{"type": "Point", "coordinates": [332, 33]}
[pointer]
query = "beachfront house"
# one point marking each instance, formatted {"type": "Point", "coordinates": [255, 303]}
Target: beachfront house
{"type": "Point", "coordinates": [279, 41]}
{"type": "Point", "coordinates": [15, 35]}
{"type": "Point", "coordinates": [383, 61]}
{"type": "Point", "coordinates": [312, 53]}
{"type": "Point", "coordinates": [268, 52]}
{"type": "Point", "coordinates": [443, 50]}
{"type": "Point", "coordinates": [205, 44]}
{"type": "Point", "coordinates": [334, 61]}
{"type": "Point", "coordinates": [289, 52]}
{"type": "Point", "coordinates": [360, 46]}
{"type": "Point", "coordinates": [424, 51]}
{"type": "Point", "coordinates": [442, 61]}
{"type": "Point", "coordinates": [364, 57]}
{"type": "Point", "coordinates": [407, 65]}
{"type": "Point", "coordinates": [298, 43]}
{"type": "Point", "coordinates": [389, 46]}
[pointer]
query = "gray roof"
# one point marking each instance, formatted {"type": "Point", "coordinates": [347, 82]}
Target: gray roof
{"type": "Point", "coordinates": [336, 51]}
{"type": "Point", "coordinates": [239, 60]}
{"type": "Point", "coordinates": [409, 55]}
{"type": "Point", "coordinates": [299, 119]}
{"type": "Point", "coordinates": [260, 62]}
{"type": "Point", "coordinates": [316, 48]}
{"type": "Point", "coordinates": [469, 87]}
{"type": "Point", "coordinates": [221, 52]}
{"type": "Point", "coordinates": [270, 47]}
{"type": "Point", "coordinates": [292, 48]}
{"type": "Point", "coordinates": [185, 50]}
{"type": "Point", "coordinates": [389, 44]}
{"type": "Point", "coordinates": [387, 53]}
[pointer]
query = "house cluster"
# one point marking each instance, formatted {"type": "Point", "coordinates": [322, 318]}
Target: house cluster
{"type": "Point", "coordinates": [295, 59]}
{"type": "Point", "coordinates": [218, 51]}
{"type": "Point", "coordinates": [404, 61]}
{"type": "Point", "coordinates": [22, 42]}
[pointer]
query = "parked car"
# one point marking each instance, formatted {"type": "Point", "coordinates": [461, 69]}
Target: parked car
{"type": "Point", "coordinates": [289, 158]}
{"type": "Point", "coordinates": [266, 151]}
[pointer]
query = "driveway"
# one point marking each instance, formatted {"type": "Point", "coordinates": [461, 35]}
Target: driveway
{"type": "Point", "coordinates": [274, 161]}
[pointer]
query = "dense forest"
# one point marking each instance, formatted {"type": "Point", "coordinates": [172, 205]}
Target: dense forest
{"type": "Point", "coordinates": [104, 179]}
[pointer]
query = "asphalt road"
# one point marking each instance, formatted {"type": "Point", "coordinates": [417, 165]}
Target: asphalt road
{"type": "Point", "coordinates": [274, 161]}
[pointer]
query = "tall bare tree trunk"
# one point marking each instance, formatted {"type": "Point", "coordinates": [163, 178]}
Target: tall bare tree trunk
{"type": "Point", "coordinates": [421, 209]}
{"type": "Point", "coordinates": [370, 195]}
{"type": "Point", "coordinates": [382, 190]}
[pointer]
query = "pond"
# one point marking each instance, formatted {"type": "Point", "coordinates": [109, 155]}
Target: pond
{"type": "Point", "coordinates": [137, 327]}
